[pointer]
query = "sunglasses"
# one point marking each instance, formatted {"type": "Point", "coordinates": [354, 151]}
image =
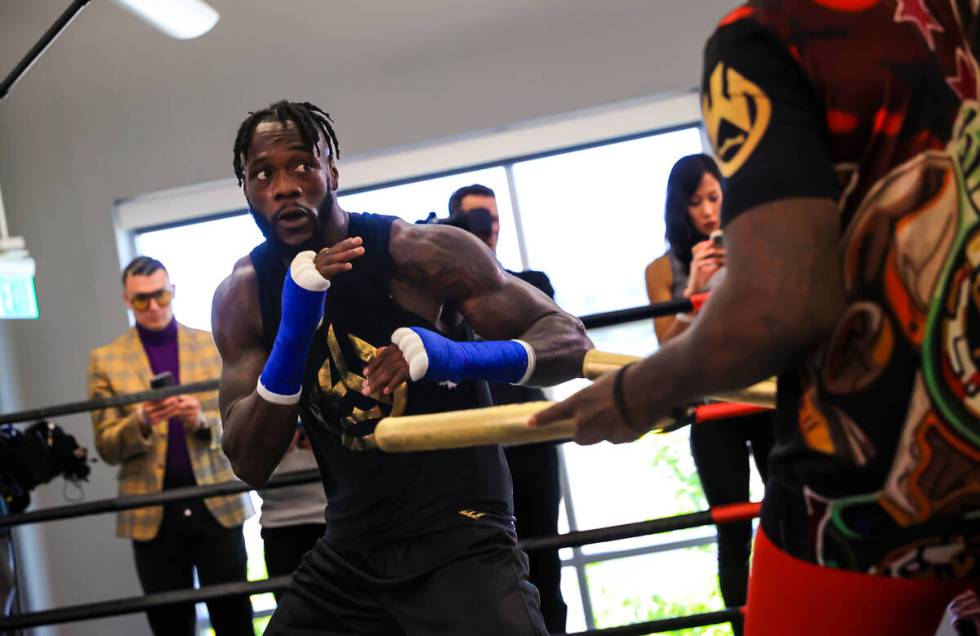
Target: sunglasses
{"type": "Point", "coordinates": [141, 302]}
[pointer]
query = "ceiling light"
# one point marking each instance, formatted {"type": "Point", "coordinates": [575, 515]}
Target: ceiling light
{"type": "Point", "coordinates": [181, 19]}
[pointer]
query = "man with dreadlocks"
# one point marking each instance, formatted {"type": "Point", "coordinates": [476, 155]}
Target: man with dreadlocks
{"type": "Point", "coordinates": [416, 543]}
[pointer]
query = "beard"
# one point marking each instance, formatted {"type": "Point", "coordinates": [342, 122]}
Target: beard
{"type": "Point", "coordinates": [317, 240]}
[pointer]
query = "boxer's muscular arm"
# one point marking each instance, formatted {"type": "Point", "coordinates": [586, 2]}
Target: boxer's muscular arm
{"type": "Point", "coordinates": [442, 264]}
{"type": "Point", "coordinates": [256, 432]}
{"type": "Point", "coordinates": [782, 295]}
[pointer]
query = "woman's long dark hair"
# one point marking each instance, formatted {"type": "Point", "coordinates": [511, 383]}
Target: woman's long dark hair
{"type": "Point", "coordinates": [685, 177]}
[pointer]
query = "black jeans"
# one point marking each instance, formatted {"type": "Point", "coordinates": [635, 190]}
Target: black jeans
{"type": "Point", "coordinates": [537, 493]}
{"type": "Point", "coordinates": [286, 545]}
{"type": "Point", "coordinates": [721, 454]}
{"type": "Point", "coordinates": [189, 538]}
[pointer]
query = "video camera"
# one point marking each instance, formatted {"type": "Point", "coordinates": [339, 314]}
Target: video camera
{"type": "Point", "coordinates": [477, 221]}
{"type": "Point", "coordinates": [35, 456]}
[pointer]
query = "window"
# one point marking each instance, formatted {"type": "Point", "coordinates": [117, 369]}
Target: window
{"type": "Point", "coordinates": [594, 218]}
{"type": "Point", "coordinates": [197, 263]}
{"type": "Point", "coordinates": [591, 218]}
{"type": "Point", "coordinates": [414, 201]}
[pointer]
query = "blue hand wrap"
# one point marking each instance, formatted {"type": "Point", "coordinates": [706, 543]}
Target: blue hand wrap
{"type": "Point", "coordinates": [491, 360]}
{"type": "Point", "coordinates": [282, 377]}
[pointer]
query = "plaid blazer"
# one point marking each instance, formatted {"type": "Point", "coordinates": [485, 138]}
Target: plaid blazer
{"type": "Point", "coordinates": [122, 367]}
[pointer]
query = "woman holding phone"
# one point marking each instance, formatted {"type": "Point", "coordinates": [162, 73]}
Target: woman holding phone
{"type": "Point", "coordinates": [694, 264]}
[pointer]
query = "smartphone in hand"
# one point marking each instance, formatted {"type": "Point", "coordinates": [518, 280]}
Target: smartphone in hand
{"type": "Point", "coordinates": [162, 380]}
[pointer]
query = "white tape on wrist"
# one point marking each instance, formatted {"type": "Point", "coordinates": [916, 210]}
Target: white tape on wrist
{"type": "Point", "coordinates": [410, 344]}
{"type": "Point", "coordinates": [531, 362]}
{"type": "Point", "coordinates": [304, 273]}
{"type": "Point", "coordinates": [276, 398]}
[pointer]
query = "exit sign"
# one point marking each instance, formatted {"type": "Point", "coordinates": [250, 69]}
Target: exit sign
{"type": "Point", "coordinates": [17, 296]}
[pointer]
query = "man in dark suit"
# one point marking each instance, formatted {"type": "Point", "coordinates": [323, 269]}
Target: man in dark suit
{"type": "Point", "coordinates": [533, 467]}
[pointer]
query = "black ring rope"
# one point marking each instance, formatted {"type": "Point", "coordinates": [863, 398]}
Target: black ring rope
{"type": "Point", "coordinates": [615, 533]}
{"type": "Point", "coordinates": [188, 493]}
{"type": "Point", "coordinates": [135, 604]}
{"type": "Point", "coordinates": [98, 404]}
{"type": "Point", "coordinates": [591, 321]}
{"type": "Point", "coordinates": [668, 624]}
{"type": "Point", "coordinates": [633, 314]}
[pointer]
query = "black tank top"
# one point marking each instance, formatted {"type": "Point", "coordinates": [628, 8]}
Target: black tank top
{"type": "Point", "coordinates": [372, 496]}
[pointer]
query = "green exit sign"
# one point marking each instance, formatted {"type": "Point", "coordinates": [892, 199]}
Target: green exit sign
{"type": "Point", "coordinates": [17, 296]}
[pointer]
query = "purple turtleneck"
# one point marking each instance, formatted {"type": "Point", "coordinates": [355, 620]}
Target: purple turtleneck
{"type": "Point", "coordinates": [162, 351]}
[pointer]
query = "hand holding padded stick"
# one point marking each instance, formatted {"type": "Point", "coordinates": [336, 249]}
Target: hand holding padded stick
{"type": "Point", "coordinates": [598, 363]}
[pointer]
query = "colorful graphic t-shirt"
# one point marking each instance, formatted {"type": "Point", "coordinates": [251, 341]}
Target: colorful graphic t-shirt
{"type": "Point", "coordinates": [872, 103]}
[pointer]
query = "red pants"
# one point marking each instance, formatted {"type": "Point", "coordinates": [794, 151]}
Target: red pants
{"type": "Point", "coordinates": [791, 596]}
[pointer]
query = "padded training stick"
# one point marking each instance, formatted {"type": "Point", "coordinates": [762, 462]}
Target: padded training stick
{"type": "Point", "coordinates": [474, 427]}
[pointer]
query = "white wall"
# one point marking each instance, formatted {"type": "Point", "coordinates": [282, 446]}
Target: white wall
{"type": "Point", "coordinates": [114, 109]}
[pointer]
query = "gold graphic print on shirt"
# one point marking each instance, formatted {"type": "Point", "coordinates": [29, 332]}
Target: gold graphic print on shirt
{"type": "Point", "coordinates": [911, 257]}
{"type": "Point", "coordinates": [736, 115]}
{"type": "Point", "coordinates": [343, 396]}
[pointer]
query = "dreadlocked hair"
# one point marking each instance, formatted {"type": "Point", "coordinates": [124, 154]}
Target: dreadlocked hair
{"type": "Point", "coordinates": [310, 120]}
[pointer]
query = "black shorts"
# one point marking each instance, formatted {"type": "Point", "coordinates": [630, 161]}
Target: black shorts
{"type": "Point", "coordinates": [467, 580]}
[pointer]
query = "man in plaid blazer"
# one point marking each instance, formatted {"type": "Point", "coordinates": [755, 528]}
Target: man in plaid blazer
{"type": "Point", "coordinates": [170, 443]}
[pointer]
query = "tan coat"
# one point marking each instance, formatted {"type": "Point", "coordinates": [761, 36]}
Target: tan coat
{"type": "Point", "coordinates": [122, 367]}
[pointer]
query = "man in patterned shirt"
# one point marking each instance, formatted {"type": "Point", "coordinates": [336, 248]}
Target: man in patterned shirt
{"type": "Point", "coordinates": [849, 131]}
{"type": "Point", "coordinates": [168, 444]}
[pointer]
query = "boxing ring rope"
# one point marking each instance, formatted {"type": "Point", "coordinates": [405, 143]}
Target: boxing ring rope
{"type": "Point", "coordinates": [716, 515]}
{"type": "Point", "coordinates": [591, 321]}
{"type": "Point", "coordinates": [725, 410]}
{"type": "Point", "coordinates": [101, 506]}
{"type": "Point", "coordinates": [668, 624]}
{"type": "Point", "coordinates": [707, 413]}
{"type": "Point", "coordinates": [137, 604]}
{"type": "Point", "coordinates": [644, 312]}
{"type": "Point", "coordinates": [98, 404]}
{"type": "Point", "coordinates": [728, 513]}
